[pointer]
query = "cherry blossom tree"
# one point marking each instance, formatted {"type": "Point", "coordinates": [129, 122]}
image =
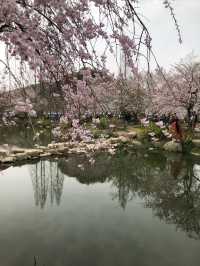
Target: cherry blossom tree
{"type": "Point", "coordinates": [57, 38]}
{"type": "Point", "coordinates": [179, 90]}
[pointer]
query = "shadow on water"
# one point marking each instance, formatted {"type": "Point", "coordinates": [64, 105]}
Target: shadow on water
{"type": "Point", "coordinates": [170, 185]}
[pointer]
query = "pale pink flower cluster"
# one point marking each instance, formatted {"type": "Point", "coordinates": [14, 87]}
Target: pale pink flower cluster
{"type": "Point", "coordinates": [53, 35]}
{"type": "Point", "coordinates": [79, 132]}
{"type": "Point", "coordinates": [144, 122]}
{"type": "Point", "coordinates": [160, 124]}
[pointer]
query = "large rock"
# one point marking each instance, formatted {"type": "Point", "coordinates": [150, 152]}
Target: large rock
{"type": "Point", "coordinates": [53, 152]}
{"type": "Point", "coordinates": [128, 135]}
{"type": "Point", "coordinates": [123, 139]}
{"type": "Point", "coordinates": [21, 156]}
{"type": "Point", "coordinates": [46, 154]}
{"type": "Point", "coordinates": [132, 135]}
{"type": "Point", "coordinates": [9, 159]}
{"type": "Point", "coordinates": [3, 153]}
{"type": "Point", "coordinates": [62, 150]}
{"type": "Point", "coordinates": [32, 152]}
{"type": "Point", "coordinates": [136, 143]}
{"type": "Point", "coordinates": [17, 150]}
{"type": "Point", "coordinates": [196, 142]}
{"type": "Point", "coordinates": [114, 140]}
{"type": "Point", "coordinates": [173, 146]}
{"type": "Point", "coordinates": [195, 153]}
{"type": "Point", "coordinates": [157, 144]}
{"type": "Point", "coordinates": [60, 145]}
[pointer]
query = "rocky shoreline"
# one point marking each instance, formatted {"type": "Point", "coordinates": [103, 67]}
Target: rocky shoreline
{"type": "Point", "coordinates": [65, 148]}
{"type": "Point", "coordinates": [110, 145]}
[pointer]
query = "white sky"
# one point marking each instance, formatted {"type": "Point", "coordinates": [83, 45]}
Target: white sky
{"type": "Point", "coordinates": [165, 38]}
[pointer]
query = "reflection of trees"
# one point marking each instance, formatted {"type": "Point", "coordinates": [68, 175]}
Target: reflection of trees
{"type": "Point", "coordinates": [173, 193]}
{"type": "Point", "coordinates": [88, 173]}
{"type": "Point", "coordinates": [46, 179]}
{"type": "Point", "coordinates": [177, 201]}
{"type": "Point", "coordinates": [123, 170]}
{"type": "Point", "coordinates": [170, 186]}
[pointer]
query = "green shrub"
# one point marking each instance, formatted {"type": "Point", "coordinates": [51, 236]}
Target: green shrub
{"type": "Point", "coordinates": [151, 128]}
{"type": "Point", "coordinates": [187, 141]}
{"type": "Point", "coordinates": [65, 126]}
{"type": "Point", "coordinates": [143, 133]}
{"type": "Point", "coordinates": [96, 133]}
{"type": "Point", "coordinates": [155, 129]}
{"type": "Point", "coordinates": [104, 123]}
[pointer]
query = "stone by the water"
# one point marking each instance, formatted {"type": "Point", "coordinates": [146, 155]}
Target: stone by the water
{"type": "Point", "coordinates": [173, 146]}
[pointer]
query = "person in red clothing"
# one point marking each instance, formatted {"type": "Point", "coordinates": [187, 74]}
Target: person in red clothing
{"type": "Point", "coordinates": [176, 128]}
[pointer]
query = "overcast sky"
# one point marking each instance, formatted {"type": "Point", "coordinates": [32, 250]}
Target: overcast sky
{"type": "Point", "coordinates": [165, 38]}
{"type": "Point", "coordinates": [164, 35]}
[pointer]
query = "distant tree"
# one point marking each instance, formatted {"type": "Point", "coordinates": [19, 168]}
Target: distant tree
{"type": "Point", "coordinates": [179, 90]}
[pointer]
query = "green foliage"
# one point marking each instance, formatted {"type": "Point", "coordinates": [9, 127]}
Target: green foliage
{"type": "Point", "coordinates": [99, 133]}
{"type": "Point", "coordinates": [155, 129]}
{"type": "Point", "coordinates": [187, 142]}
{"type": "Point", "coordinates": [96, 133]}
{"type": "Point", "coordinates": [104, 123]}
{"type": "Point", "coordinates": [43, 122]}
{"type": "Point", "coordinates": [65, 126]}
{"type": "Point", "coordinates": [151, 128]}
{"type": "Point", "coordinates": [143, 133]}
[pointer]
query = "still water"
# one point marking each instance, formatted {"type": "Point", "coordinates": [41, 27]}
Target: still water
{"type": "Point", "coordinates": [23, 136]}
{"type": "Point", "coordinates": [131, 209]}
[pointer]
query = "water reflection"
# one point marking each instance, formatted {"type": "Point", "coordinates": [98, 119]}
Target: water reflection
{"type": "Point", "coordinates": [47, 179]}
{"type": "Point", "coordinates": [170, 186]}
{"type": "Point", "coordinates": [23, 136]}
{"type": "Point", "coordinates": [176, 198]}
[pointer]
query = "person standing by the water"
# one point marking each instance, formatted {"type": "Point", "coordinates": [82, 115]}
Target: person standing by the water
{"type": "Point", "coordinates": [176, 128]}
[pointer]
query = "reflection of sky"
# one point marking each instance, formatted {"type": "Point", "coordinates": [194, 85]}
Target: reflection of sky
{"type": "Point", "coordinates": [196, 170]}
{"type": "Point", "coordinates": [87, 228]}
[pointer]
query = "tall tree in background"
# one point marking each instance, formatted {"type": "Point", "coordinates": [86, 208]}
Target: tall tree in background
{"type": "Point", "coordinates": [180, 91]}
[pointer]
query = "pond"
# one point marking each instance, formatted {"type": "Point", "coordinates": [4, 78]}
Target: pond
{"type": "Point", "coordinates": [23, 136]}
{"type": "Point", "coordinates": [130, 209]}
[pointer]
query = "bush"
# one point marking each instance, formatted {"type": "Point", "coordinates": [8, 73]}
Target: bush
{"type": "Point", "coordinates": [152, 128]}
{"type": "Point", "coordinates": [187, 141]}
{"type": "Point", "coordinates": [104, 123]}
{"type": "Point", "coordinates": [96, 133]}
{"type": "Point", "coordinates": [155, 129]}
